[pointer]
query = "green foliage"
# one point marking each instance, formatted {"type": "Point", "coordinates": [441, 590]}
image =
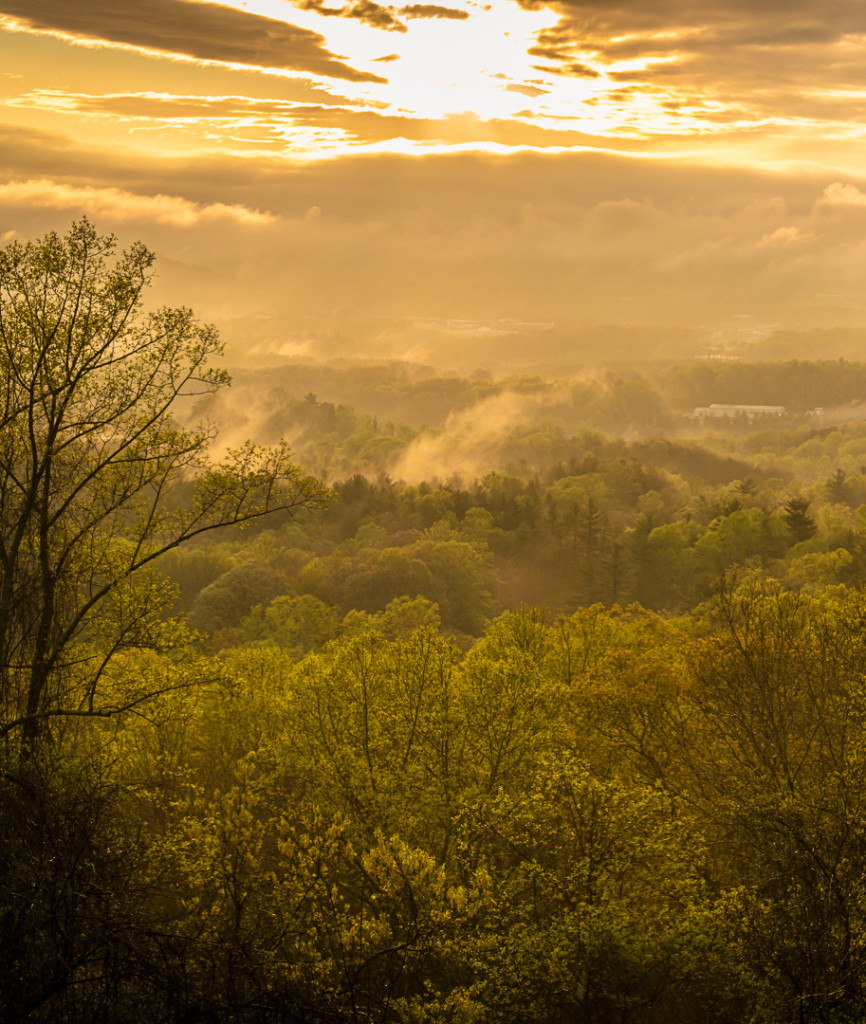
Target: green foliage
{"type": "Point", "coordinates": [91, 468]}
{"type": "Point", "coordinates": [798, 520]}
{"type": "Point", "coordinates": [599, 910]}
{"type": "Point", "coordinates": [597, 817]}
{"type": "Point", "coordinates": [435, 769]}
{"type": "Point", "coordinates": [223, 603]}
{"type": "Point", "coordinates": [450, 572]}
{"type": "Point", "coordinates": [297, 624]}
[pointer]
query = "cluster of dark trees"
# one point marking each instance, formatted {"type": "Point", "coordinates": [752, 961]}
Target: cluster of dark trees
{"type": "Point", "coordinates": [580, 744]}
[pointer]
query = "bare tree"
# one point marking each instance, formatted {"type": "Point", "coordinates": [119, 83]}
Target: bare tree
{"type": "Point", "coordinates": [91, 462]}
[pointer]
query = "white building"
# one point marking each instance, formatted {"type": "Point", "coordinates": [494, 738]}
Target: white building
{"type": "Point", "coordinates": [751, 412]}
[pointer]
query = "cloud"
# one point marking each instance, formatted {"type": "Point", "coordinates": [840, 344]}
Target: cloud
{"type": "Point", "coordinates": [557, 44]}
{"type": "Point", "coordinates": [117, 204]}
{"type": "Point", "coordinates": [475, 439]}
{"type": "Point", "coordinates": [568, 69]}
{"type": "Point", "coordinates": [272, 121]}
{"type": "Point", "coordinates": [842, 195]}
{"type": "Point", "coordinates": [756, 59]}
{"type": "Point", "coordinates": [202, 31]}
{"type": "Point", "coordinates": [633, 27]}
{"type": "Point", "coordinates": [169, 107]}
{"type": "Point", "coordinates": [527, 90]}
{"type": "Point", "coordinates": [376, 15]}
{"type": "Point", "coordinates": [380, 16]}
{"type": "Point", "coordinates": [571, 237]}
{"type": "Point", "coordinates": [366, 11]}
{"type": "Point", "coordinates": [433, 11]}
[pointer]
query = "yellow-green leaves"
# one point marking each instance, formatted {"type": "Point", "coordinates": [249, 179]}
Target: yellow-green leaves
{"type": "Point", "coordinates": [93, 468]}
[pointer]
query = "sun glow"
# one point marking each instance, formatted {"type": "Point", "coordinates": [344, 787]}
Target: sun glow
{"type": "Point", "coordinates": [443, 66]}
{"type": "Point", "coordinates": [378, 76]}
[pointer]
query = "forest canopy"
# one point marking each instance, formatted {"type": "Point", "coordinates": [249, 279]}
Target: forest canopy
{"type": "Point", "coordinates": [571, 732]}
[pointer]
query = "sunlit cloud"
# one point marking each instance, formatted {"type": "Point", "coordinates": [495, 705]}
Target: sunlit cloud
{"type": "Point", "coordinates": [844, 195]}
{"type": "Point", "coordinates": [555, 74]}
{"type": "Point", "coordinates": [119, 205]}
{"type": "Point", "coordinates": [304, 128]}
{"type": "Point", "coordinates": [555, 235]}
{"type": "Point", "coordinates": [753, 61]}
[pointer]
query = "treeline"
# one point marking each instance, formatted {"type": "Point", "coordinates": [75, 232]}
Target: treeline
{"type": "Point", "coordinates": [798, 385]}
{"type": "Point", "coordinates": [605, 817]}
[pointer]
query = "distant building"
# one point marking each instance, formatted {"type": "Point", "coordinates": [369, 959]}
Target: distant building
{"type": "Point", "coordinates": [731, 412]}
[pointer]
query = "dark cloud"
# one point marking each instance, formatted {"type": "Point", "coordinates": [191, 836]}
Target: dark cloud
{"type": "Point", "coordinates": [367, 11]}
{"type": "Point", "coordinates": [433, 11]}
{"type": "Point", "coordinates": [764, 52]}
{"type": "Point", "coordinates": [376, 15]}
{"type": "Point", "coordinates": [617, 24]}
{"type": "Point", "coordinates": [554, 44]}
{"type": "Point", "coordinates": [379, 16]}
{"type": "Point", "coordinates": [204, 31]}
{"type": "Point", "coordinates": [557, 44]}
{"type": "Point", "coordinates": [320, 7]}
{"type": "Point", "coordinates": [569, 69]}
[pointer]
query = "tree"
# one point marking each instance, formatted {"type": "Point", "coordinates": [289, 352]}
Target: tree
{"type": "Point", "coordinates": [595, 913]}
{"type": "Point", "coordinates": [298, 624]}
{"type": "Point", "coordinates": [777, 769]}
{"type": "Point", "coordinates": [577, 508]}
{"type": "Point", "coordinates": [231, 597]}
{"type": "Point", "coordinates": [92, 468]}
{"type": "Point", "coordinates": [837, 488]}
{"type": "Point", "coordinates": [800, 523]}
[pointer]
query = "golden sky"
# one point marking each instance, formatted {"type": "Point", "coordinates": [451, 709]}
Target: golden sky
{"type": "Point", "coordinates": [572, 161]}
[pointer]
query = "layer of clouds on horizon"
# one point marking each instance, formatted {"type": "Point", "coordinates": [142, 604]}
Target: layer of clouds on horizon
{"type": "Point", "coordinates": [572, 238]}
{"type": "Point", "coordinates": [269, 122]}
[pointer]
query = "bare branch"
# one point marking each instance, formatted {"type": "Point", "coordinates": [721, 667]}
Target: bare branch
{"type": "Point", "coordinates": [106, 712]}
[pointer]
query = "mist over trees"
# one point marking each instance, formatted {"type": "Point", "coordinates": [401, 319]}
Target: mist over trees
{"type": "Point", "coordinates": [553, 711]}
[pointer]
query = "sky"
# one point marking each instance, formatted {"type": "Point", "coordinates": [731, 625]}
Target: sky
{"type": "Point", "coordinates": [323, 178]}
